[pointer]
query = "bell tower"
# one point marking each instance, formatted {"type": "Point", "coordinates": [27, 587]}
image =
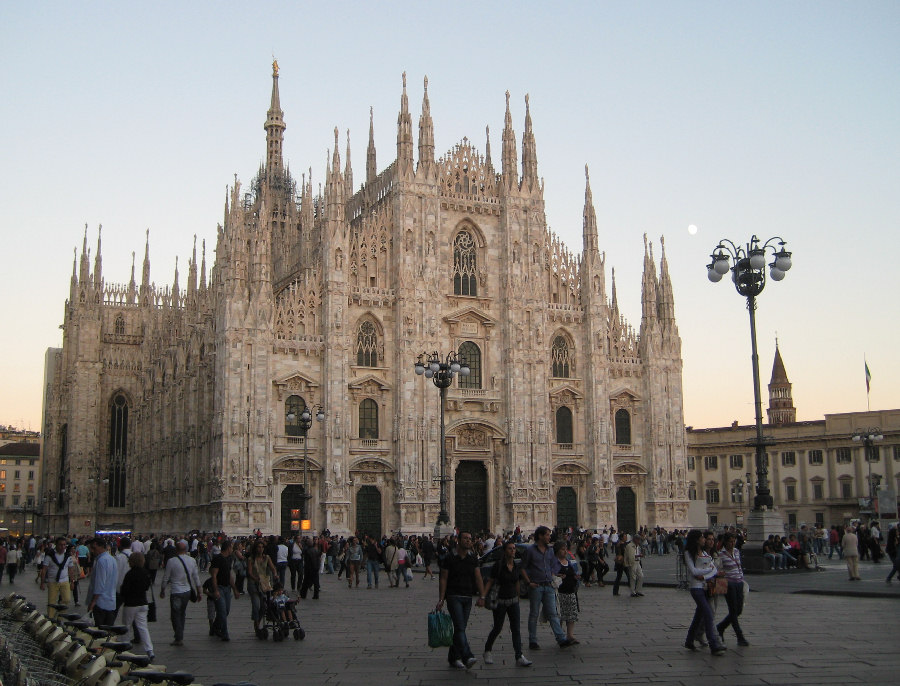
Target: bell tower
{"type": "Point", "coordinates": [781, 404]}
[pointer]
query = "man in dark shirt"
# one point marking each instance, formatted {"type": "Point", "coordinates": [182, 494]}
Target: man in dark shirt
{"type": "Point", "coordinates": [460, 578]}
{"type": "Point", "coordinates": [312, 556]}
{"type": "Point", "coordinates": [373, 561]}
{"type": "Point", "coordinates": [220, 589]}
{"type": "Point", "coordinates": [539, 565]}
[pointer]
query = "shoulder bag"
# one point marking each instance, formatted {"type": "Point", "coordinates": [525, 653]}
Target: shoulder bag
{"type": "Point", "coordinates": [194, 596]}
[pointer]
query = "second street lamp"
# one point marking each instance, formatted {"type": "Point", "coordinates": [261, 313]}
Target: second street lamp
{"type": "Point", "coordinates": [868, 438]}
{"type": "Point", "coordinates": [441, 370]}
{"type": "Point", "coordinates": [305, 421]}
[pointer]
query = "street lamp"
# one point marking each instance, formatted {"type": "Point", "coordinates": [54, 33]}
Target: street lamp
{"type": "Point", "coordinates": [441, 370]}
{"type": "Point", "coordinates": [738, 493]}
{"type": "Point", "coordinates": [305, 425]}
{"type": "Point", "coordinates": [868, 438]}
{"type": "Point", "coordinates": [747, 265]}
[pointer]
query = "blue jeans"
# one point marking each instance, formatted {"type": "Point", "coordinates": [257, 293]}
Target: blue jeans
{"type": "Point", "coordinates": [459, 607]}
{"type": "Point", "coordinates": [513, 612]}
{"type": "Point", "coordinates": [703, 615]}
{"type": "Point", "coordinates": [223, 607]}
{"type": "Point", "coordinates": [838, 548]}
{"type": "Point", "coordinates": [372, 569]}
{"type": "Point", "coordinates": [178, 603]}
{"type": "Point", "coordinates": [546, 595]}
{"type": "Point", "coordinates": [257, 602]}
{"type": "Point", "coordinates": [735, 599]}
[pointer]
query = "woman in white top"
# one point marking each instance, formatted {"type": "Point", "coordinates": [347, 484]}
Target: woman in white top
{"type": "Point", "coordinates": [700, 568]}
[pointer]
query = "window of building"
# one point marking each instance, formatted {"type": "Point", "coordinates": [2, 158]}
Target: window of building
{"type": "Point", "coordinates": [16, 488]}
{"type": "Point", "coordinates": [31, 463]}
{"type": "Point", "coordinates": [790, 492]}
{"type": "Point", "coordinates": [31, 474]}
{"type": "Point", "coordinates": [368, 419]}
{"type": "Point", "coordinates": [2, 488]}
{"type": "Point", "coordinates": [736, 461]}
{"type": "Point", "coordinates": [118, 451]}
{"type": "Point", "coordinates": [818, 490]}
{"type": "Point", "coordinates": [788, 459]}
{"type": "Point", "coordinates": [792, 520]}
{"type": "Point", "coordinates": [712, 496]}
{"type": "Point", "coordinates": [690, 463]}
{"type": "Point", "coordinates": [820, 519]}
{"type": "Point", "coordinates": [844, 455]}
{"type": "Point", "coordinates": [293, 408]}
{"type": "Point", "coordinates": [815, 457]}
{"type": "Point", "coordinates": [897, 452]}
{"type": "Point", "coordinates": [30, 488]}
{"type": "Point", "coordinates": [17, 474]}
{"type": "Point", "coordinates": [2, 473]}
{"type": "Point", "coordinates": [713, 520]}
{"type": "Point", "coordinates": [367, 345]}
{"type": "Point", "coordinates": [16, 499]}
{"type": "Point", "coordinates": [737, 492]}
{"type": "Point", "coordinates": [470, 353]}
{"type": "Point", "coordinates": [3, 461]}
{"type": "Point", "coordinates": [560, 358]}
{"type": "Point", "coordinates": [711, 462]}
{"type": "Point", "coordinates": [623, 427]}
{"type": "Point", "coordinates": [465, 265]}
{"type": "Point", "coordinates": [846, 488]}
{"type": "Point", "coordinates": [120, 325]}
{"type": "Point", "coordinates": [564, 425]}
{"type": "Point", "coordinates": [874, 454]}
{"type": "Point", "coordinates": [2, 501]}
{"type": "Point", "coordinates": [692, 492]}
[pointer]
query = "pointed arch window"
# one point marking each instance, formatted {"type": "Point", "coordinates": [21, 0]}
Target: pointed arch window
{"type": "Point", "coordinates": [470, 353]}
{"type": "Point", "coordinates": [623, 427]}
{"type": "Point", "coordinates": [293, 408]}
{"type": "Point", "coordinates": [561, 358]}
{"type": "Point", "coordinates": [120, 325]}
{"type": "Point", "coordinates": [368, 419]}
{"type": "Point", "coordinates": [564, 432]}
{"type": "Point", "coordinates": [367, 345]}
{"type": "Point", "coordinates": [465, 265]}
{"type": "Point", "coordinates": [118, 452]}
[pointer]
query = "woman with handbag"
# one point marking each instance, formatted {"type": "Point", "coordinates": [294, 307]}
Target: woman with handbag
{"type": "Point", "coordinates": [502, 594]}
{"type": "Point", "coordinates": [567, 591]}
{"type": "Point", "coordinates": [134, 600]}
{"type": "Point", "coordinates": [700, 569]}
{"type": "Point", "coordinates": [354, 555]}
{"type": "Point", "coordinates": [730, 564]}
{"type": "Point", "coordinates": [259, 565]}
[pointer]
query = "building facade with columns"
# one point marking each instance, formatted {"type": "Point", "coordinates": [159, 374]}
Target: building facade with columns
{"type": "Point", "coordinates": [177, 408]}
{"type": "Point", "coordinates": [817, 472]}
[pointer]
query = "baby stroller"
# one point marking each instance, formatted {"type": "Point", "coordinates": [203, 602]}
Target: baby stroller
{"type": "Point", "coordinates": [281, 618]}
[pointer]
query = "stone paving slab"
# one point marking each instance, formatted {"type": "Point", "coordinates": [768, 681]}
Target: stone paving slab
{"type": "Point", "coordinates": [365, 637]}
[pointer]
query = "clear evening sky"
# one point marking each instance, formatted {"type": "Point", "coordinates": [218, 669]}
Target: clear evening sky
{"type": "Point", "coordinates": [773, 118]}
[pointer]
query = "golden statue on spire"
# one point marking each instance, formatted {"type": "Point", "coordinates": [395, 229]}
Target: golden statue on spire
{"type": "Point", "coordinates": [274, 67]}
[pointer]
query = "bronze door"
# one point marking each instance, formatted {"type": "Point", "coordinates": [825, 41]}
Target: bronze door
{"type": "Point", "coordinates": [626, 510]}
{"type": "Point", "coordinates": [471, 497]}
{"type": "Point", "coordinates": [566, 508]}
{"type": "Point", "coordinates": [368, 511]}
{"type": "Point", "coordinates": [293, 508]}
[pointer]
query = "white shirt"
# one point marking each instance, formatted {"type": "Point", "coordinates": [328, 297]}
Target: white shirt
{"type": "Point", "coordinates": [138, 547]}
{"type": "Point", "coordinates": [174, 574]}
{"type": "Point", "coordinates": [281, 553]}
{"type": "Point", "coordinates": [53, 562]}
{"type": "Point", "coordinates": [122, 562]}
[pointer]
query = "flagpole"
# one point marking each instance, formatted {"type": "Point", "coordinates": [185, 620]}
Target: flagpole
{"type": "Point", "coordinates": [868, 384]}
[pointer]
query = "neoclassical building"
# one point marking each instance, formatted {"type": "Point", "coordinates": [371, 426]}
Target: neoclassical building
{"type": "Point", "coordinates": [177, 408]}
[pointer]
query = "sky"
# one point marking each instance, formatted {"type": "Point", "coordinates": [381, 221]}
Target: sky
{"type": "Point", "coordinates": [769, 118]}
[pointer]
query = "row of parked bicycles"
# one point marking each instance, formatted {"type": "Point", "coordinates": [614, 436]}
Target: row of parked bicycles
{"type": "Point", "coordinates": [69, 650]}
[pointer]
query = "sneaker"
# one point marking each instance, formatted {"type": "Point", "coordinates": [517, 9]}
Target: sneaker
{"type": "Point", "coordinates": [718, 651]}
{"type": "Point", "coordinates": [534, 645]}
{"type": "Point", "coordinates": [471, 662]}
{"type": "Point", "coordinates": [177, 642]}
{"type": "Point", "coordinates": [488, 658]}
{"type": "Point", "coordinates": [690, 646]}
{"type": "Point", "coordinates": [458, 664]}
{"type": "Point", "coordinates": [565, 643]}
{"type": "Point", "coordinates": [640, 595]}
{"type": "Point", "coordinates": [743, 642]}
{"type": "Point", "coordinates": [523, 661]}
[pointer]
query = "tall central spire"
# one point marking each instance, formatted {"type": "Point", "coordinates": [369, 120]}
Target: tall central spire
{"type": "Point", "coordinates": [404, 134]}
{"type": "Point", "coordinates": [274, 128]}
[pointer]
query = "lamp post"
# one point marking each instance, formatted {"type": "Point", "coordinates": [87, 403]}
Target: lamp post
{"type": "Point", "coordinates": [441, 369]}
{"type": "Point", "coordinates": [305, 425]}
{"type": "Point", "coordinates": [868, 438]}
{"type": "Point", "coordinates": [747, 265]}
{"type": "Point", "coordinates": [738, 493]}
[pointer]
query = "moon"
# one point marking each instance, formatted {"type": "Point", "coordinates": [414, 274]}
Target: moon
{"type": "Point", "coordinates": [692, 229]}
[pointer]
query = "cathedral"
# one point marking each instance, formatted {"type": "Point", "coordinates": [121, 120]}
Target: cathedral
{"type": "Point", "coordinates": [170, 408]}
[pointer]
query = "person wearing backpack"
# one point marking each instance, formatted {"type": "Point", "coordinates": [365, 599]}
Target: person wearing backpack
{"type": "Point", "coordinates": [59, 567]}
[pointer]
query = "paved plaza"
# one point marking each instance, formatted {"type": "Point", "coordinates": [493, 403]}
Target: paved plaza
{"type": "Point", "coordinates": [379, 637]}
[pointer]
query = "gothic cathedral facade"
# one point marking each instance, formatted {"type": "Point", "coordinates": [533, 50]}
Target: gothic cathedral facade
{"type": "Point", "coordinates": [172, 409]}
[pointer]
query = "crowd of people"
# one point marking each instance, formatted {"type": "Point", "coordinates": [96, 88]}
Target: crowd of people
{"type": "Point", "coordinates": [546, 567]}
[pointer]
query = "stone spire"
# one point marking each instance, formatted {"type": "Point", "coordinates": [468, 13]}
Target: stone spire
{"type": "Point", "coordinates": [348, 171]}
{"type": "Point", "coordinates": [426, 131]}
{"type": "Point", "coordinates": [175, 286]}
{"type": "Point", "coordinates": [529, 152]}
{"type": "Point", "coordinates": [371, 167]}
{"type": "Point", "coordinates": [589, 224]}
{"type": "Point", "coordinates": [614, 301]}
{"type": "Point", "coordinates": [132, 285]}
{"type": "Point", "coordinates": [334, 189]}
{"type": "Point", "coordinates": [649, 287]}
{"type": "Point", "coordinates": [666, 297]}
{"type": "Point", "coordinates": [781, 403]}
{"type": "Point", "coordinates": [404, 135]}
{"type": "Point", "coordinates": [145, 272]}
{"type": "Point", "coordinates": [489, 165]}
{"type": "Point", "coordinates": [192, 273]}
{"type": "Point", "coordinates": [84, 270]}
{"type": "Point", "coordinates": [509, 171]}
{"type": "Point", "coordinates": [98, 261]}
{"type": "Point", "coordinates": [274, 127]}
{"type": "Point", "coordinates": [203, 268]}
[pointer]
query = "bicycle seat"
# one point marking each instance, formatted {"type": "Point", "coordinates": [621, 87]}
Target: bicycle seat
{"type": "Point", "coordinates": [118, 646]}
{"type": "Point", "coordinates": [96, 633]}
{"type": "Point", "coordinates": [58, 606]}
{"type": "Point", "coordinates": [69, 615]}
{"type": "Point", "coordinates": [115, 629]}
{"type": "Point", "coordinates": [79, 623]}
{"type": "Point", "coordinates": [135, 659]}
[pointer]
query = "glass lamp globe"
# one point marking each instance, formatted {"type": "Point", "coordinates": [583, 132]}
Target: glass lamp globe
{"type": "Point", "coordinates": [713, 275]}
{"type": "Point", "coordinates": [420, 368]}
{"type": "Point", "coordinates": [428, 373]}
{"type": "Point", "coordinates": [776, 274]}
{"type": "Point", "coordinates": [721, 263]}
{"type": "Point", "coordinates": [434, 365]}
{"type": "Point", "coordinates": [783, 260]}
{"type": "Point", "coordinates": [464, 370]}
{"type": "Point", "coordinates": [320, 416]}
{"type": "Point", "coordinates": [757, 258]}
{"type": "Point", "coordinates": [454, 366]}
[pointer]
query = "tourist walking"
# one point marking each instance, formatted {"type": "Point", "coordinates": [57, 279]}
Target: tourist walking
{"type": "Point", "coordinates": [259, 568]}
{"type": "Point", "coordinates": [295, 562]}
{"type": "Point", "coordinates": [505, 576]}
{"type": "Point", "coordinates": [102, 586]}
{"type": "Point", "coordinates": [57, 576]}
{"type": "Point", "coordinates": [850, 544]}
{"type": "Point", "coordinates": [134, 600]}
{"type": "Point", "coordinates": [182, 575]}
{"type": "Point", "coordinates": [730, 564]}
{"type": "Point", "coordinates": [221, 587]}
{"type": "Point", "coordinates": [13, 556]}
{"type": "Point", "coordinates": [373, 561]}
{"type": "Point", "coordinates": [893, 551]}
{"type": "Point", "coordinates": [353, 555]}
{"type": "Point", "coordinates": [539, 566]}
{"type": "Point", "coordinates": [700, 569]}
{"type": "Point", "coordinates": [312, 561]}
{"type": "Point", "coordinates": [633, 554]}
{"type": "Point", "coordinates": [567, 592]}
{"type": "Point", "coordinates": [460, 579]}
{"type": "Point", "coordinates": [619, 564]}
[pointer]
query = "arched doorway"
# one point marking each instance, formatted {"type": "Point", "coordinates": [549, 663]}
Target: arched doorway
{"type": "Point", "coordinates": [293, 506]}
{"type": "Point", "coordinates": [566, 508]}
{"type": "Point", "coordinates": [626, 510]}
{"type": "Point", "coordinates": [471, 497]}
{"type": "Point", "coordinates": [368, 511]}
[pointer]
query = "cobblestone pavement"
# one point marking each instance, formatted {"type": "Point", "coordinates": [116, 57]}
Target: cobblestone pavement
{"type": "Point", "coordinates": [378, 636]}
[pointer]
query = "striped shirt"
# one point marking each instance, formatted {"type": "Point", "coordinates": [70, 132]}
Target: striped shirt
{"type": "Point", "coordinates": [730, 563]}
